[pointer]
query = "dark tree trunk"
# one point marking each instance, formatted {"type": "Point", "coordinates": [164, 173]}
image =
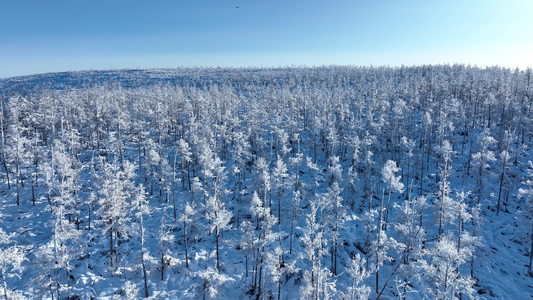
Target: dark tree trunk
{"type": "Point", "coordinates": [185, 241]}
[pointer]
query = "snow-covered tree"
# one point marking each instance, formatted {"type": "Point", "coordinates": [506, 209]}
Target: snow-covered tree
{"type": "Point", "coordinates": [11, 258]}
{"type": "Point", "coordinates": [215, 210]}
{"type": "Point", "coordinates": [335, 208]}
{"type": "Point", "coordinates": [185, 161]}
{"type": "Point", "coordinates": [443, 275]}
{"type": "Point", "coordinates": [264, 223]}
{"type": "Point", "coordinates": [17, 142]}
{"type": "Point", "coordinates": [410, 236]}
{"type": "Point", "coordinates": [116, 194]}
{"type": "Point", "coordinates": [527, 195]}
{"type": "Point", "coordinates": [128, 292]}
{"type": "Point", "coordinates": [318, 281]}
{"type": "Point", "coordinates": [295, 212]}
{"type": "Point", "coordinates": [142, 207]}
{"type": "Point", "coordinates": [482, 159]}
{"type": "Point", "coordinates": [248, 243]}
{"type": "Point", "coordinates": [187, 217]}
{"type": "Point", "coordinates": [263, 180]}
{"type": "Point", "coordinates": [279, 177]}
{"type": "Point", "coordinates": [504, 159]}
{"type": "Point", "coordinates": [392, 183]}
{"type": "Point", "coordinates": [444, 203]}
{"type": "Point", "coordinates": [213, 281]}
{"type": "Point", "coordinates": [165, 239]}
{"type": "Point", "coordinates": [358, 272]}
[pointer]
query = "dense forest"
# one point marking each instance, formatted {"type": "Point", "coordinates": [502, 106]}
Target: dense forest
{"type": "Point", "coordinates": [291, 183]}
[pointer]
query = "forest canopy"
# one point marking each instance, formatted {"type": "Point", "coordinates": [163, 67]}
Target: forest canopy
{"type": "Point", "coordinates": [316, 183]}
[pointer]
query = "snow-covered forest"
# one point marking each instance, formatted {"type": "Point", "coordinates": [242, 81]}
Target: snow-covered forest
{"type": "Point", "coordinates": [290, 183]}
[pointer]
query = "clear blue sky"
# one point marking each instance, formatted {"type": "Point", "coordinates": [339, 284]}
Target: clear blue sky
{"type": "Point", "coordinates": [38, 36]}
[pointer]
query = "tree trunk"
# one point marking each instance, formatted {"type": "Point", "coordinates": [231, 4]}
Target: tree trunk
{"type": "Point", "coordinates": [5, 285]}
{"type": "Point", "coordinates": [185, 241]}
{"type": "Point", "coordinates": [279, 211]}
{"type": "Point", "coordinates": [279, 289]}
{"type": "Point", "coordinates": [189, 176]}
{"type": "Point", "coordinates": [7, 172]}
{"type": "Point", "coordinates": [32, 190]}
{"type": "Point", "coordinates": [145, 277]}
{"type": "Point", "coordinates": [531, 252]}
{"type": "Point", "coordinates": [50, 284]}
{"type": "Point", "coordinates": [218, 255]}
{"type": "Point", "coordinates": [260, 275]}
{"type": "Point", "coordinates": [246, 265]}
{"type": "Point", "coordinates": [377, 281]}
{"type": "Point", "coordinates": [111, 246]}
{"type": "Point", "coordinates": [58, 285]}
{"type": "Point", "coordinates": [89, 220]}
{"type": "Point", "coordinates": [18, 185]}
{"type": "Point", "coordinates": [162, 266]}
{"type": "Point", "coordinates": [290, 240]}
{"type": "Point", "coordinates": [174, 184]}
{"type": "Point", "coordinates": [501, 185]}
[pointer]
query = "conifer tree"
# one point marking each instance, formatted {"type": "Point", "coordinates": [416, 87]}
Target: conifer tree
{"type": "Point", "coordinates": [116, 193]}
{"type": "Point", "coordinates": [11, 258]}
{"type": "Point", "coordinates": [527, 195]}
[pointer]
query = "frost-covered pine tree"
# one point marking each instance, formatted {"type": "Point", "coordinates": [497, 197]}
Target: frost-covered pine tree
{"type": "Point", "coordinates": [187, 217]}
{"type": "Point", "coordinates": [165, 239]}
{"type": "Point", "coordinates": [504, 158]}
{"type": "Point", "coordinates": [3, 142]}
{"type": "Point", "coordinates": [295, 212]}
{"type": "Point", "coordinates": [129, 291]}
{"type": "Point", "coordinates": [262, 180]}
{"type": "Point", "coordinates": [318, 281]}
{"type": "Point", "coordinates": [197, 193]}
{"type": "Point", "coordinates": [185, 161]}
{"type": "Point", "coordinates": [314, 170]}
{"type": "Point", "coordinates": [248, 242]}
{"type": "Point", "coordinates": [442, 273]}
{"type": "Point", "coordinates": [66, 247]}
{"type": "Point", "coordinates": [379, 250]}
{"type": "Point", "coordinates": [61, 173]}
{"type": "Point", "coordinates": [142, 207]}
{"type": "Point", "coordinates": [264, 223]}
{"type": "Point", "coordinates": [461, 214]}
{"type": "Point", "coordinates": [526, 194]}
{"type": "Point", "coordinates": [482, 159]}
{"type": "Point", "coordinates": [116, 192]}
{"type": "Point", "coordinates": [213, 281]}
{"type": "Point", "coordinates": [158, 168]}
{"type": "Point", "coordinates": [279, 183]}
{"type": "Point", "coordinates": [241, 152]}
{"type": "Point", "coordinates": [411, 237]}
{"type": "Point", "coordinates": [66, 172]}
{"type": "Point", "coordinates": [351, 184]}
{"type": "Point", "coordinates": [215, 210]}
{"type": "Point", "coordinates": [358, 272]}
{"type": "Point", "coordinates": [383, 242]}
{"type": "Point", "coordinates": [444, 203]}
{"type": "Point", "coordinates": [11, 258]}
{"type": "Point", "coordinates": [295, 162]}
{"type": "Point", "coordinates": [335, 208]}
{"type": "Point", "coordinates": [273, 267]}
{"type": "Point", "coordinates": [16, 152]}
{"type": "Point", "coordinates": [392, 184]}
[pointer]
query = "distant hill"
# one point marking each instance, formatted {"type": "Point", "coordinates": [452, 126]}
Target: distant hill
{"type": "Point", "coordinates": [127, 78]}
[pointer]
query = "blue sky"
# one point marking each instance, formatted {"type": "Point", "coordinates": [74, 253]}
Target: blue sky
{"type": "Point", "coordinates": [39, 36]}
